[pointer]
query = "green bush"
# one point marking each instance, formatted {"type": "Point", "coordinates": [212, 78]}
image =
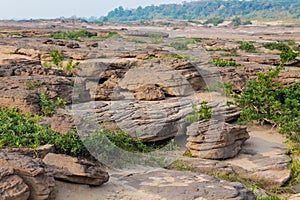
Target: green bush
{"type": "Point", "coordinates": [72, 35]}
{"type": "Point", "coordinates": [109, 35]}
{"type": "Point", "coordinates": [57, 61]}
{"type": "Point", "coordinates": [276, 45]}
{"type": "Point", "coordinates": [247, 46]}
{"type": "Point", "coordinates": [205, 112]}
{"type": "Point", "coordinates": [48, 106]}
{"type": "Point", "coordinates": [267, 102]}
{"type": "Point", "coordinates": [287, 56]}
{"type": "Point", "coordinates": [184, 44]}
{"type": "Point", "coordinates": [215, 21]}
{"type": "Point", "coordinates": [23, 131]}
{"type": "Point", "coordinates": [223, 63]}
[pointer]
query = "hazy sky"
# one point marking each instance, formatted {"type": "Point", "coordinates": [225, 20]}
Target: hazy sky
{"type": "Point", "coordinates": [19, 9]}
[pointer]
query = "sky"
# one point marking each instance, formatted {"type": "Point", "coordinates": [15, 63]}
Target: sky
{"type": "Point", "coordinates": [46, 9]}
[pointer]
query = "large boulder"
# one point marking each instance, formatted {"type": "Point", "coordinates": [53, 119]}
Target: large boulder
{"type": "Point", "coordinates": [211, 139]}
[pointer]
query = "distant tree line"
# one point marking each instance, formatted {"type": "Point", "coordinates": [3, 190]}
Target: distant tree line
{"type": "Point", "coordinates": [205, 9]}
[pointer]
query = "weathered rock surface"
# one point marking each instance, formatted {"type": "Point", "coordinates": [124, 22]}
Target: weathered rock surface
{"type": "Point", "coordinates": [149, 92]}
{"type": "Point", "coordinates": [23, 92]}
{"type": "Point", "coordinates": [40, 183]}
{"type": "Point", "coordinates": [211, 139]}
{"type": "Point", "coordinates": [62, 123]}
{"type": "Point", "coordinates": [262, 158]}
{"type": "Point", "coordinates": [39, 152]}
{"type": "Point", "coordinates": [167, 184]}
{"type": "Point", "coordinates": [12, 187]}
{"type": "Point", "coordinates": [76, 170]}
{"type": "Point", "coordinates": [239, 76]}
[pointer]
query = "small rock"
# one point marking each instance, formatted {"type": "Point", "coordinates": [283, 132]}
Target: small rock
{"type": "Point", "coordinates": [149, 92]}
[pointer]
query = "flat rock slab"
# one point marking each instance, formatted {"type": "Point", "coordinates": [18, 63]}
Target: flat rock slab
{"type": "Point", "coordinates": [157, 185]}
{"type": "Point", "coordinates": [179, 185]}
{"type": "Point", "coordinates": [264, 156]}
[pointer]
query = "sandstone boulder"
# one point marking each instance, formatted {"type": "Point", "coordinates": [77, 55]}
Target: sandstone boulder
{"type": "Point", "coordinates": [40, 183]}
{"type": "Point", "coordinates": [150, 92]}
{"type": "Point", "coordinates": [211, 139]}
{"type": "Point", "coordinates": [12, 187]}
{"type": "Point", "coordinates": [76, 170]}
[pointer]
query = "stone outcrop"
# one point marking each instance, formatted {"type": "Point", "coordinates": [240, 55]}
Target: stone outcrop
{"type": "Point", "coordinates": [151, 92]}
{"type": "Point", "coordinates": [62, 123]}
{"type": "Point", "coordinates": [12, 187]}
{"type": "Point", "coordinates": [23, 92]}
{"type": "Point", "coordinates": [239, 76]}
{"type": "Point", "coordinates": [168, 184]}
{"type": "Point", "coordinates": [211, 139]}
{"type": "Point", "coordinates": [76, 170]}
{"type": "Point", "coordinates": [40, 183]}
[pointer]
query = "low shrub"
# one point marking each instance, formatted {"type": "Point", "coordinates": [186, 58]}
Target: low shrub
{"type": "Point", "coordinates": [276, 45]}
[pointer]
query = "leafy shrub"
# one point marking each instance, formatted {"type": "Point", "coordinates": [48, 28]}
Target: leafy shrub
{"type": "Point", "coordinates": [72, 35]}
{"type": "Point", "coordinates": [291, 42]}
{"type": "Point", "coordinates": [109, 35]}
{"type": "Point", "coordinates": [287, 56]}
{"type": "Point", "coordinates": [237, 21]}
{"type": "Point", "coordinates": [267, 102]}
{"type": "Point", "coordinates": [184, 44]}
{"type": "Point", "coordinates": [215, 21]}
{"type": "Point", "coordinates": [276, 45]}
{"type": "Point", "coordinates": [23, 131]}
{"type": "Point", "coordinates": [48, 106]}
{"type": "Point", "coordinates": [57, 61]}
{"type": "Point", "coordinates": [247, 46]}
{"type": "Point", "coordinates": [205, 112]}
{"type": "Point", "coordinates": [223, 63]}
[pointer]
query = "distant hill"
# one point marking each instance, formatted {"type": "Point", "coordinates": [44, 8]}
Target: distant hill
{"type": "Point", "coordinates": [205, 9]}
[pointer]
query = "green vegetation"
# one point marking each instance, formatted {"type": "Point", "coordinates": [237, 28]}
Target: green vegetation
{"type": "Point", "coordinates": [181, 166]}
{"type": "Point", "coordinates": [57, 61]}
{"type": "Point", "coordinates": [267, 102]}
{"type": "Point", "coordinates": [72, 35]}
{"type": "Point", "coordinates": [203, 10]}
{"type": "Point", "coordinates": [48, 106]}
{"type": "Point", "coordinates": [136, 40]}
{"type": "Point", "coordinates": [223, 63]}
{"type": "Point", "coordinates": [215, 21]}
{"type": "Point", "coordinates": [113, 35]}
{"type": "Point", "coordinates": [288, 56]}
{"type": "Point", "coordinates": [205, 112]}
{"type": "Point", "coordinates": [231, 53]}
{"type": "Point", "coordinates": [32, 85]}
{"type": "Point", "coordinates": [218, 49]}
{"type": "Point", "coordinates": [21, 131]}
{"type": "Point", "coordinates": [184, 44]}
{"type": "Point", "coordinates": [75, 35]}
{"type": "Point", "coordinates": [156, 38]}
{"type": "Point", "coordinates": [276, 45]}
{"type": "Point", "coordinates": [247, 46]}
